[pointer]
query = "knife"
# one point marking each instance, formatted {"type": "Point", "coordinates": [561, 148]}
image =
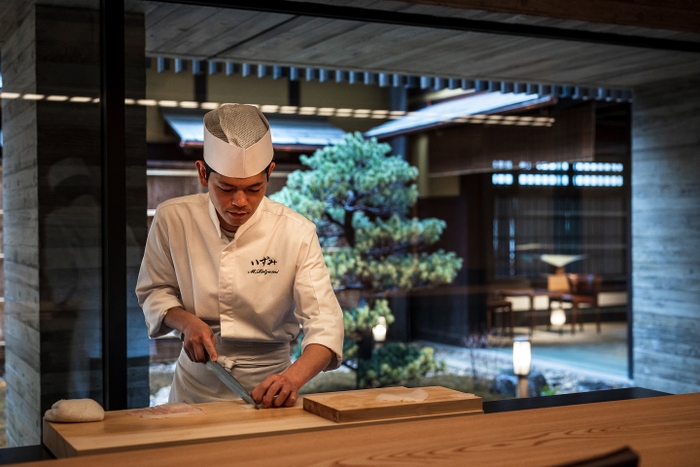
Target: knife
{"type": "Point", "coordinates": [231, 382]}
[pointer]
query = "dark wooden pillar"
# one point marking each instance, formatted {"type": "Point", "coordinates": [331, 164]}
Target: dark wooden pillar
{"type": "Point", "coordinates": [52, 222]}
{"type": "Point", "coordinates": [479, 221]}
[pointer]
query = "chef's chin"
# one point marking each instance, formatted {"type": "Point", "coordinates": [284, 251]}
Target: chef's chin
{"type": "Point", "coordinates": [237, 220]}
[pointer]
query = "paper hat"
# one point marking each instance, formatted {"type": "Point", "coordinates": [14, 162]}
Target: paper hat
{"type": "Point", "coordinates": [237, 141]}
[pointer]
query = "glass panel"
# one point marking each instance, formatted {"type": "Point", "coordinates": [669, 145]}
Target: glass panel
{"type": "Point", "coordinates": [52, 193]}
{"type": "Point", "coordinates": [51, 212]}
{"type": "Point", "coordinates": [508, 193]}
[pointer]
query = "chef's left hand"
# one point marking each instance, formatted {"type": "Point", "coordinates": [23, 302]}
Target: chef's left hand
{"type": "Point", "coordinates": [283, 390]}
{"type": "Point", "coordinates": [276, 391]}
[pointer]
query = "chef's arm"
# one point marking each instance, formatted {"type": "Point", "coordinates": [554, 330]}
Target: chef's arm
{"type": "Point", "coordinates": [199, 340]}
{"type": "Point", "coordinates": [283, 389]}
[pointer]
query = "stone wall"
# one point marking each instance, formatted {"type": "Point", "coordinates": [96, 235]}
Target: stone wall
{"type": "Point", "coordinates": [666, 236]}
{"type": "Point", "coordinates": [21, 238]}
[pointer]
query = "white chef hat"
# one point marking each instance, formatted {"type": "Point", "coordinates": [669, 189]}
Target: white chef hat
{"type": "Point", "coordinates": [237, 141]}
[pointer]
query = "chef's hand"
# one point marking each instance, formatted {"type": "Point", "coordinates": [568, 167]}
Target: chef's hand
{"type": "Point", "coordinates": [275, 391]}
{"type": "Point", "coordinates": [283, 390]}
{"type": "Point", "coordinates": [199, 341]}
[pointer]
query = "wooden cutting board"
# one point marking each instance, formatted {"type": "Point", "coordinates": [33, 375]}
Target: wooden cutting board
{"type": "Point", "coordinates": [394, 402]}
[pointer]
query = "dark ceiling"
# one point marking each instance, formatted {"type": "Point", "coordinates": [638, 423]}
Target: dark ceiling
{"type": "Point", "coordinates": [297, 38]}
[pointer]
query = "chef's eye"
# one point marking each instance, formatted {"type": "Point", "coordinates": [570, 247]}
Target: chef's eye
{"type": "Point", "coordinates": [254, 190]}
{"type": "Point", "coordinates": [226, 190]}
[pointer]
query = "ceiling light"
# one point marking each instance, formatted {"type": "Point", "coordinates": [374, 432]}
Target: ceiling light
{"type": "Point", "coordinates": [189, 104]}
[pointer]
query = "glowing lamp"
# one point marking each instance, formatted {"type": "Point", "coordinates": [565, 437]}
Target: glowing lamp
{"type": "Point", "coordinates": [379, 331]}
{"type": "Point", "coordinates": [522, 357]}
{"type": "Point", "coordinates": [557, 317]}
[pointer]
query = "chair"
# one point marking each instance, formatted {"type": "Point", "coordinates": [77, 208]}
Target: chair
{"type": "Point", "coordinates": [495, 304]}
{"type": "Point", "coordinates": [583, 289]}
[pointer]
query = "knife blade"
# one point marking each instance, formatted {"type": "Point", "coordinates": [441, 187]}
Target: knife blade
{"type": "Point", "coordinates": [230, 382]}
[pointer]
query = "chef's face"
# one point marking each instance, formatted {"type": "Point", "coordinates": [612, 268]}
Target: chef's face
{"type": "Point", "coordinates": [235, 199]}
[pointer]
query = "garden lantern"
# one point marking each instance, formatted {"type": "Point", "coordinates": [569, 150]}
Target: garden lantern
{"type": "Point", "coordinates": [522, 358]}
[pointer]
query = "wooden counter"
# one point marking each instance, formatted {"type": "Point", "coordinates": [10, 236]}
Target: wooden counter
{"type": "Point", "coordinates": [149, 428]}
{"type": "Point", "coordinates": [664, 431]}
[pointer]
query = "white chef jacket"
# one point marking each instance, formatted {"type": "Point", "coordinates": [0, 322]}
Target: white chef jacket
{"type": "Point", "coordinates": [261, 285]}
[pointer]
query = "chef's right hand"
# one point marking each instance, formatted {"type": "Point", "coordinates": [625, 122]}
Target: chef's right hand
{"type": "Point", "coordinates": [199, 341]}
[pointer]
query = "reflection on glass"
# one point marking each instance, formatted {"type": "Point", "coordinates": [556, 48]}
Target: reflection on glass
{"type": "Point", "coordinates": [72, 261]}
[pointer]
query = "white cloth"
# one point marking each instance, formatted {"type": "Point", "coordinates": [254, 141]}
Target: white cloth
{"type": "Point", "coordinates": [262, 285]}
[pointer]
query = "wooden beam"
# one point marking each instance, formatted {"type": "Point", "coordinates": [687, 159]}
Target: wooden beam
{"type": "Point", "coordinates": [456, 23]}
{"type": "Point", "coordinates": [674, 15]}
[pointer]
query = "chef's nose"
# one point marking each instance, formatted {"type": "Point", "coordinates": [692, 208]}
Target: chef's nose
{"type": "Point", "coordinates": [239, 198]}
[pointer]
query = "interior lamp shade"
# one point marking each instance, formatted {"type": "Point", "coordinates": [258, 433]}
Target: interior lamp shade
{"type": "Point", "coordinates": [522, 357]}
{"type": "Point", "coordinates": [559, 261]}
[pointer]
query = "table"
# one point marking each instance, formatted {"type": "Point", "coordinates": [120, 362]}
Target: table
{"type": "Point", "coordinates": [532, 293]}
{"type": "Point", "coordinates": [492, 305]}
{"type": "Point", "coordinates": [664, 431]}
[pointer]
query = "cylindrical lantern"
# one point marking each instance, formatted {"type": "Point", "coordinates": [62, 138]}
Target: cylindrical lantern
{"type": "Point", "coordinates": [379, 331]}
{"type": "Point", "coordinates": [522, 357]}
{"type": "Point", "coordinates": [557, 317]}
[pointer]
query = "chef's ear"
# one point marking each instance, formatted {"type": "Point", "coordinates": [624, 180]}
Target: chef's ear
{"type": "Point", "coordinates": [202, 173]}
{"type": "Point", "coordinates": [270, 168]}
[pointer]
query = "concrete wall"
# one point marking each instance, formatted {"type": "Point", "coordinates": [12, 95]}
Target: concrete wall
{"type": "Point", "coordinates": [665, 236]}
{"type": "Point", "coordinates": [21, 238]}
{"type": "Point", "coordinates": [52, 218]}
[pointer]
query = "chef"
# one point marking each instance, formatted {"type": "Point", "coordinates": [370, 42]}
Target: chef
{"type": "Point", "coordinates": [237, 275]}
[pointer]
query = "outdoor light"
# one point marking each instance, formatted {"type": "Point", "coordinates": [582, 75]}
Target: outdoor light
{"type": "Point", "coordinates": [522, 358]}
{"type": "Point", "coordinates": [379, 331]}
{"type": "Point", "coordinates": [557, 317]}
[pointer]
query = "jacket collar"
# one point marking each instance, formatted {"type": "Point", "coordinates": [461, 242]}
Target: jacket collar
{"type": "Point", "coordinates": [253, 219]}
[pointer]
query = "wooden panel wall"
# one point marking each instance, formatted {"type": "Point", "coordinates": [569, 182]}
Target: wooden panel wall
{"type": "Point", "coordinates": [665, 238]}
{"type": "Point", "coordinates": [472, 148]}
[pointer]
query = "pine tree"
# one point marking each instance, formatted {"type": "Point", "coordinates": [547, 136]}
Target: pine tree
{"type": "Point", "coordinates": [360, 199]}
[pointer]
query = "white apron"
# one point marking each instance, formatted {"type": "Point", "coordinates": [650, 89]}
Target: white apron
{"type": "Point", "coordinates": [249, 363]}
